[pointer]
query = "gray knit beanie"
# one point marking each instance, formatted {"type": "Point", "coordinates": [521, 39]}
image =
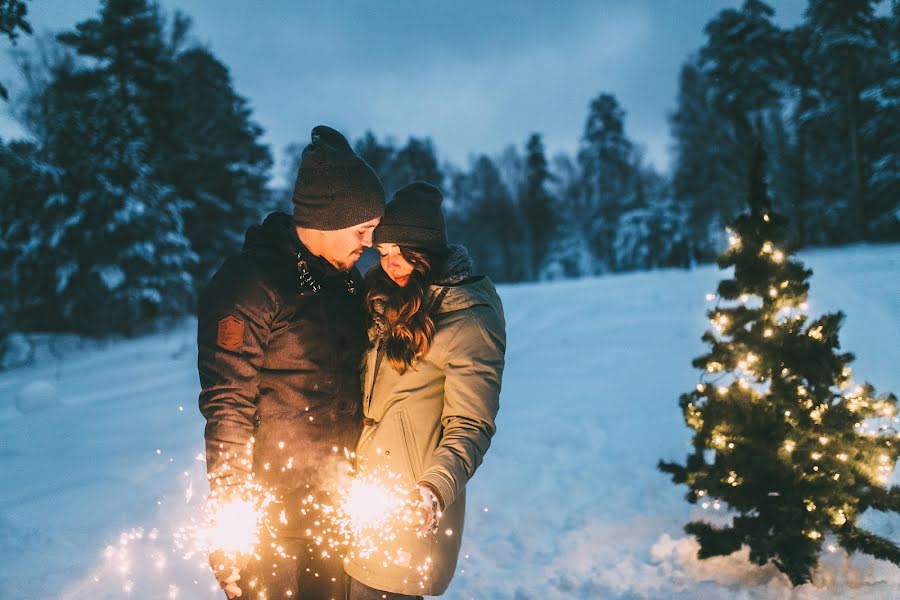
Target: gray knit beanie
{"type": "Point", "coordinates": [414, 218]}
{"type": "Point", "coordinates": [335, 188]}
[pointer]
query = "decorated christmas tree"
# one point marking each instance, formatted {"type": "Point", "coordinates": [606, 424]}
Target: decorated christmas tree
{"type": "Point", "coordinates": [784, 440]}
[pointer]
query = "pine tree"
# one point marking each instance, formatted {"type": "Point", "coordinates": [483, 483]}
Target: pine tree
{"type": "Point", "coordinates": [12, 20]}
{"type": "Point", "coordinates": [126, 260]}
{"type": "Point", "coordinates": [570, 253]}
{"type": "Point", "coordinates": [782, 435]}
{"type": "Point", "coordinates": [744, 56]}
{"type": "Point", "coordinates": [485, 220]}
{"type": "Point", "coordinates": [882, 135]}
{"type": "Point", "coordinates": [416, 161]}
{"type": "Point", "coordinates": [606, 158]}
{"type": "Point", "coordinates": [843, 50]}
{"type": "Point", "coordinates": [703, 177]}
{"type": "Point", "coordinates": [537, 205]}
{"type": "Point", "coordinates": [213, 158]}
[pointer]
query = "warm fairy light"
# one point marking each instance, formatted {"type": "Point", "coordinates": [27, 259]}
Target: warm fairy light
{"type": "Point", "coordinates": [766, 218]}
{"type": "Point", "coordinates": [823, 440]}
{"type": "Point", "coordinates": [810, 505]}
{"type": "Point", "coordinates": [816, 455]}
{"type": "Point", "coordinates": [842, 457]}
{"type": "Point", "coordinates": [720, 322]}
{"type": "Point", "coordinates": [816, 333]}
{"type": "Point", "coordinates": [773, 292]}
{"type": "Point", "coordinates": [767, 248]}
{"type": "Point", "coordinates": [789, 446]}
{"type": "Point", "coordinates": [767, 333]}
{"type": "Point", "coordinates": [814, 535]}
{"type": "Point", "coordinates": [778, 256]}
{"type": "Point", "coordinates": [700, 387]}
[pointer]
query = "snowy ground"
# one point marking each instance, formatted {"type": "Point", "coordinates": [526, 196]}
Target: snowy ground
{"type": "Point", "coordinates": [100, 441]}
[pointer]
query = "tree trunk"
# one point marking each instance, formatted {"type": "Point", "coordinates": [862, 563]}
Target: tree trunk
{"type": "Point", "coordinates": [856, 193]}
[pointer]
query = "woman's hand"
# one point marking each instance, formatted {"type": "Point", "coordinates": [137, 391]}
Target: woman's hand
{"type": "Point", "coordinates": [428, 509]}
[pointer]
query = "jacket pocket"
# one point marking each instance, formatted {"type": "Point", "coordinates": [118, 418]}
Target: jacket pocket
{"type": "Point", "coordinates": [409, 444]}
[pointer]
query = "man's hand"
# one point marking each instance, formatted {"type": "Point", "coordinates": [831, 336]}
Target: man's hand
{"type": "Point", "coordinates": [428, 509]}
{"type": "Point", "coordinates": [227, 569]}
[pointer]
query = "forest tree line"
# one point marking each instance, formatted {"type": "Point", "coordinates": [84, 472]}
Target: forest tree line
{"type": "Point", "coordinates": [143, 165]}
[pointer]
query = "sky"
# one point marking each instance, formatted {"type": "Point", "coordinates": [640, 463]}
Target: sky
{"type": "Point", "coordinates": [475, 76]}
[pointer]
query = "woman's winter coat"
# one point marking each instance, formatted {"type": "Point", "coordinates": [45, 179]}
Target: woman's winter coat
{"type": "Point", "coordinates": [433, 425]}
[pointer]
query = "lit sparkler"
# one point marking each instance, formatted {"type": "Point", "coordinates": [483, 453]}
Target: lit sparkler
{"type": "Point", "coordinates": [229, 523]}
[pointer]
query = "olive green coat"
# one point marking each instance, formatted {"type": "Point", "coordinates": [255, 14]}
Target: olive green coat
{"type": "Point", "coordinates": [433, 424]}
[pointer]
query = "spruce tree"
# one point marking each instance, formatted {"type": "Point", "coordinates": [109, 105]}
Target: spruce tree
{"type": "Point", "coordinates": [782, 435]}
{"type": "Point", "coordinates": [537, 205]}
{"type": "Point", "coordinates": [13, 20]}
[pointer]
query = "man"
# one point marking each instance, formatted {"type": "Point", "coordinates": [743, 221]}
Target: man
{"type": "Point", "coordinates": [281, 333]}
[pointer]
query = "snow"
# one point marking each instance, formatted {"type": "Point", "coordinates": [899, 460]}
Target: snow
{"type": "Point", "coordinates": [36, 396]}
{"type": "Point", "coordinates": [568, 503]}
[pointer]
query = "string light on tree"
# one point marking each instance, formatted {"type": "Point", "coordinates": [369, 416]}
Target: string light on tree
{"type": "Point", "coordinates": [783, 437]}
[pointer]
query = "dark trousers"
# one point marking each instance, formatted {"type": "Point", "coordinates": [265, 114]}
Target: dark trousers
{"type": "Point", "coordinates": [309, 576]}
{"type": "Point", "coordinates": [360, 591]}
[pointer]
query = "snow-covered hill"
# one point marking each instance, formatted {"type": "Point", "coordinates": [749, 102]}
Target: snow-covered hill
{"type": "Point", "coordinates": [100, 442]}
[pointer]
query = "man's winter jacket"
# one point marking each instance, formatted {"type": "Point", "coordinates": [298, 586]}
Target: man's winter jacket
{"type": "Point", "coordinates": [281, 335]}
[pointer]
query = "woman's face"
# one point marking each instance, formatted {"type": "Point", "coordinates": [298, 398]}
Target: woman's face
{"type": "Point", "coordinates": [393, 263]}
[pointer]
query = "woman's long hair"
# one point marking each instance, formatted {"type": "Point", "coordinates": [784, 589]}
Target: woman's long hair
{"type": "Point", "coordinates": [400, 314]}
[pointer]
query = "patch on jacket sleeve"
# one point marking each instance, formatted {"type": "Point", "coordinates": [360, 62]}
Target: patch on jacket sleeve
{"type": "Point", "coordinates": [231, 333]}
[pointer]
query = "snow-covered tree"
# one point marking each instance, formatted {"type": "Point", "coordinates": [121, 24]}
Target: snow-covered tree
{"type": "Point", "coordinates": [570, 253]}
{"type": "Point", "coordinates": [606, 159]}
{"type": "Point", "coordinates": [842, 48]}
{"type": "Point", "coordinates": [13, 20]}
{"type": "Point", "coordinates": [654, 234]}
{"type": "Point", "coordinates": [782, 435]}
{"type": "Point", "coordinates": [122, 257]}
{"type": "Point", "coordinates": [744, 57]}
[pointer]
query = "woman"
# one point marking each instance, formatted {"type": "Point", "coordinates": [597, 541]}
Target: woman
{"type": "Point", "coordinates": [431, 391]}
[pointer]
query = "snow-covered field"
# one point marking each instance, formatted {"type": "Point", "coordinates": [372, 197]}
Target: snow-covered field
{"type": "Point", "coordinates": [99, 448]}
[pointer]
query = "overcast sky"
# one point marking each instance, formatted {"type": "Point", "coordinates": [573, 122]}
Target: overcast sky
{"type": "Point", "coordinates": [474, 75]}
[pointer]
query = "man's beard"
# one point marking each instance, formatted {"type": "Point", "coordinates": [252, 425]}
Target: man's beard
{"type": "Point", "coordinates": [346, 265]}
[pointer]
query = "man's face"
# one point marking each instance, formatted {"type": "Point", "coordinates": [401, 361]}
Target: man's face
{"type": "Point", "coordinates": [343, 247]}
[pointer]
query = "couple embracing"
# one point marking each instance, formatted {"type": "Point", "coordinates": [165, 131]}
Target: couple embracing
{"type": "Point", "coordinates": [300, 357]}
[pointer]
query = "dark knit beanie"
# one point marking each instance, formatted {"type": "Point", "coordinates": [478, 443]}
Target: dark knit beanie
{"type": "Point", "coordinates": [414, 218]}
{"type": "Point", "coordinates": [335, 188]}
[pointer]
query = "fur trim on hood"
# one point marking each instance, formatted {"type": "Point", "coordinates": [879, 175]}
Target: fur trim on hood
{"type": "Point", "coordinates": [459, 266]}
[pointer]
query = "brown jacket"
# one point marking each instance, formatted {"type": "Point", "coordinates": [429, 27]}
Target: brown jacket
{"type": "Point", "coordinates": [433, 424]}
